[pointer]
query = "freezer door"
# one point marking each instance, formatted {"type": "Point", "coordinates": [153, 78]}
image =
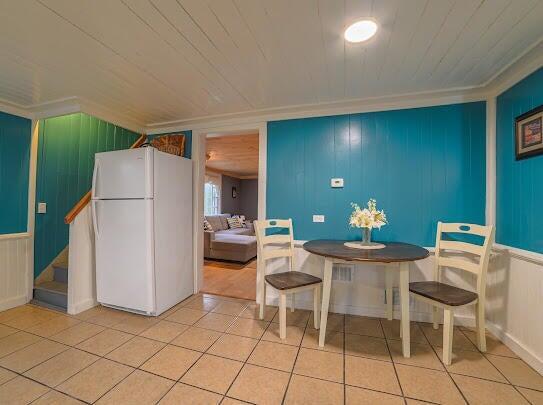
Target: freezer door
{"type": "Point", "coordinates": [123, 174]}
{"type": "Point", "coordinates": [124, 253]}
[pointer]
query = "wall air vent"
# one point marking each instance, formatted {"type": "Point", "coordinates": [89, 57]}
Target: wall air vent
{"type": "Point", "coordinates": [342, 272]}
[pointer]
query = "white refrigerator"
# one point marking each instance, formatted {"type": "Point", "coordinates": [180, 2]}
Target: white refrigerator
{"type": "Point", "coordinates": [142, 216]}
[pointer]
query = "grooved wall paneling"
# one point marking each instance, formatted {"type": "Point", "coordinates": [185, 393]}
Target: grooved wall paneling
{"type": "Point", "coordinates": [15, 134]}
{"type": "Point", "coordinates": [422, 165]}
{"type": "Point", "coordinates": [66, 149]}
{"type": "Point", "coordinates": [519, 185]}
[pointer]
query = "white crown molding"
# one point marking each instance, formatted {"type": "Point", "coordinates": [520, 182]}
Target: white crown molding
{"type": "Point", "coordinates": [55, 108]}
{"type": "Point", "coordinates": [518, 69]}
{"type": "Point", "coordinates": [14, 109]}
{"type": "Point", "coordinates": [70, 105]}
{"type": "Point", "coordinates": [409, 100]}
{"type": "Point", "coordinates": [524, 66]}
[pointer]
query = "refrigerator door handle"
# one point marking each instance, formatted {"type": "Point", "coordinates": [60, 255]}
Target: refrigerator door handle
{"type": "Point", "coordinates": [94, 176]}
{"type": "Point", "coordinates": [94, 218]}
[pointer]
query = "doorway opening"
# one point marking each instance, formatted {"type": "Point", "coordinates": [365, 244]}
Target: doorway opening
{"type": "Point", "coordinates": [230, 206]}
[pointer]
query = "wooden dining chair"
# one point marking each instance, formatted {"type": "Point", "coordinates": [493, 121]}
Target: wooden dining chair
{"type": "Point", "coordinates": [273, 246]}
{"type": "Point", "coordinates": [452, 253]}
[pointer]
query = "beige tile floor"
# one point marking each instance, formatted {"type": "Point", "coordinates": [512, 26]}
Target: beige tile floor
{"type": "Point", "coordinates": [210, 350]}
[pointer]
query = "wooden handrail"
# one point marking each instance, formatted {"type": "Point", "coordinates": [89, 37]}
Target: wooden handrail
{"type": "Point", "coordinates": [77, 208]}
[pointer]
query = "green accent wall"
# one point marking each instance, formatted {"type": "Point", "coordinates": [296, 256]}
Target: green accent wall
{"type": "Point", "coordinates": [66, 149]}
{"type": "Point", "coordinates": [15, 138]}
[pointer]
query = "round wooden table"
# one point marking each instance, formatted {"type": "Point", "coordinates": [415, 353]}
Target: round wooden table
{"type": "Point", "coordinates": [396, 255]}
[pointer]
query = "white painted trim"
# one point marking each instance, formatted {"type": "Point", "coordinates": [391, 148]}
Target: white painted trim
{"type": "Point", "coordinates": [526, 255]}
{"type": "Point", "coordinates": [397, 102]}
{"type": "Point", "coordinates": [13, 302]}
{"type": "Point", "coordinates": [518, 348]}
{"type": "Point", "coordinates": [14, 109]}
{"type": "Point", "coordinates": [70, 105]}
{"type": "Point", "coordinates": [82, 306]}
{"type": "Point", "coordinates": [32, 172]}
{"type": "Point", "coordinates": [10, 236]}
{"type": "Point", "coordinates": [461, 320]}
{"type": "Point", "coordinates": [199, 159]}
{"type": "Point", "coordinates": [490, 206]}
{"type": "Point", "coordinates": [517, 70]}
{"type": "Point", "coordinates": [262, 169]}
{"type": "Point", "coordinates": [198, 179]}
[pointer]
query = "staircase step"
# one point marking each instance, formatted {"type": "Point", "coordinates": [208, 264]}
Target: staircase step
{"type": "Point", "coordinates": [52, 293]}
{"type": "Point", "coordinates": [60, 272]}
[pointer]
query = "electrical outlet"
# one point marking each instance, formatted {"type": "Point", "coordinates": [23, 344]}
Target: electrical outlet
{"type": "Point", "coordinates": [42, 208]}
{"type": "Point", "coordinates": [318, 218]}
{"type": "Point", "coordinates": [336, 183]}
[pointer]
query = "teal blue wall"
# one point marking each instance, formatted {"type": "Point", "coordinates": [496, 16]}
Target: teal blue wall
{"type": "Point", "coordinates": [519, 185]}
{"type": "Point", "coordinates": [15, 138]}
{"type": "Point", "coordinates": [188, 141]}
{"type": "Point", "coordinates": [66, 151]}
{"type": "Point", "coordinates": [422, 165]}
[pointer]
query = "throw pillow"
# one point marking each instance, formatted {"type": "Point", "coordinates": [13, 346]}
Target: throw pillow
{"type": "Point", "coordinates": [234, 223]}
{"type": "Point", "coordinates": [207, 226]}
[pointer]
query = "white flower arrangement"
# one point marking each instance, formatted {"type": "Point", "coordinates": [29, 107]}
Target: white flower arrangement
{"type": "Point", "coordinates": [369, 217]}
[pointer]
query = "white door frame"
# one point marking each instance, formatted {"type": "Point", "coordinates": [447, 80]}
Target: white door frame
{"type": "Point", "coordinates": [199, 159]}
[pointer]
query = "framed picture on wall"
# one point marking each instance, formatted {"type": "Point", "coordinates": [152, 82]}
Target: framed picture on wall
{"type": "Point", "coordinates": [529, 133]}
{"type": "Point", "coordinates": [234, 192]}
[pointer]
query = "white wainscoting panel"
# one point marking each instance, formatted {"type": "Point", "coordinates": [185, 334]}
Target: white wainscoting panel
{"type": "Point", "coordinates": [82, 270]}
{"type": "Point", "coordinates": [14, 269]}
{"type": "Point", "coordinates": [514, 297]}
{"type": "Point", "coordinates": [515, 304]}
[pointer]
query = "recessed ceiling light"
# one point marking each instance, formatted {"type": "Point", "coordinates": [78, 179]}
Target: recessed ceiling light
{"type": "Point", "coordinates": [361, 31]}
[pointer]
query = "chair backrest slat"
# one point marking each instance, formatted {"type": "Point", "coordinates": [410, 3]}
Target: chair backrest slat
{"type": "Point", "coordinates": [481, 252]}
{"type": "Point", "coordinates": [264, 250]}
{"type": "Point", "coordinates": [276, 253]}
{"type": "Point", "coordinates": [461, 247]}
{"type": "Point", "coordinates": [472, 229]}
{"type": "Point", "coordinates": [266, 240]}
{"type": "Point", "coordinates": [459, 264]}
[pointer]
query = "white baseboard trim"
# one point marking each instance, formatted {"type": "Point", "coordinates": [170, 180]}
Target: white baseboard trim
{"type": "Point", "coordinates": [510, 341]}
{"type": "Point", "coordinates": [82, 306]}
{"type": "Point", "coordinates": [13, 302]}
{"type": "Point", "coordinates": [517, 347]}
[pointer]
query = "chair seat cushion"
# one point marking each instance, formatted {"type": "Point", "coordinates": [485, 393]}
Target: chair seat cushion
{"type": "Point", "coordinates": [443, 293]}
{"type": "Point", "coordinates": [291, 279]}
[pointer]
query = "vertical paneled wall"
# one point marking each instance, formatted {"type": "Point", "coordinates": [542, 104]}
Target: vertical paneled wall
{"type": "Point", "coordinates": [422, 165]}
{"type": "Point", "coordinates": [519, 187]}
{"type": "Point", "coordinates": [14, 168]}
{"type": "Point", "coordinates": [66, 151]}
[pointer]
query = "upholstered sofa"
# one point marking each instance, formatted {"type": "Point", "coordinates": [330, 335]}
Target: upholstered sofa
{"type": "Point", "coordinates": [223, 243]}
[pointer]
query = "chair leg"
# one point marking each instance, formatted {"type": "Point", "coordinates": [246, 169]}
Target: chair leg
{"type": "Point", "coordinates": [316, 306]}
{"type": "Point", "coordinates": [292, 303]}
{"type": "Point", "coordinates": [435, 316]}
{"type": "Point", "coordinates": [480, 321]}
{"type": "Point", "coordinates": [262, 299]}
{"type": "Point", "coordinates": [282, 315]}
{"type": "Point", "coordinates": [448, 327]}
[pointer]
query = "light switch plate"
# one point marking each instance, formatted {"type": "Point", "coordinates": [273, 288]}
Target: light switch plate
{"type": "Point", "coordinates": [318, 218]}
{"type": "Point", "coordinates": [42, 208]}
{"type": "Point", "coordinates": [336, 183]}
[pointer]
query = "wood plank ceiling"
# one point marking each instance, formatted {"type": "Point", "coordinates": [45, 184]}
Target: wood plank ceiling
{"type": "Point", "coordinates": [233, 155]}
{"type": "Point", "coordinates": [161, 60]}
